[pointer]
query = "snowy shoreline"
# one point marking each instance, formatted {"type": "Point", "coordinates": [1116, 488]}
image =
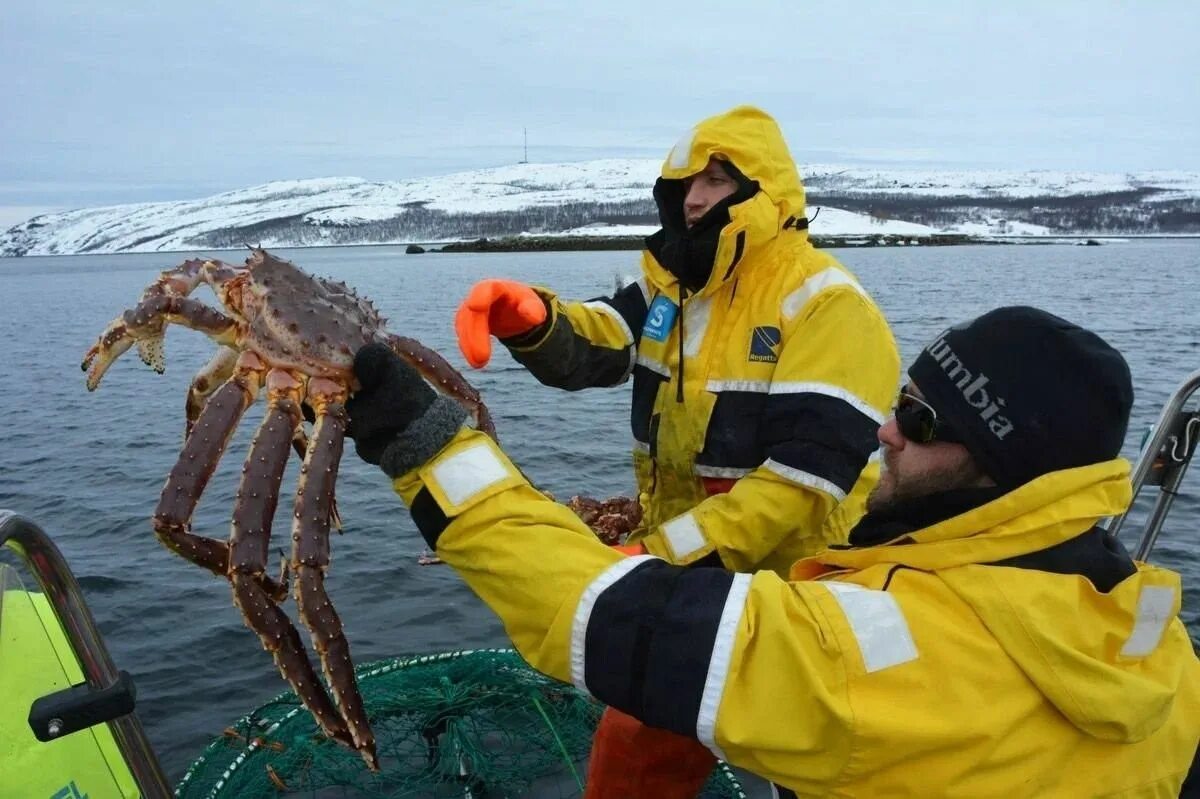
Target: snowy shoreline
{"type": "Point", "coordinates": [847, 207]}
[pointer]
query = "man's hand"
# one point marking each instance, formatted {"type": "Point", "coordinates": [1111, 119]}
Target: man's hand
{"type": "Point", "coordinates": [397, 421]}
{"type": "Point", "coordinates": [501, 308]}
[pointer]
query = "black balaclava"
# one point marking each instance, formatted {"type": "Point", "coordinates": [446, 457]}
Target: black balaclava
{"type": "Point", "coordinates": [688, 253]}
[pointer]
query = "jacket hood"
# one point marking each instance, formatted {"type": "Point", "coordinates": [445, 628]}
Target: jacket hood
{"type": "Point", "coordinates": [751, 140]}
{"type": "Point", "coordinates": [1113, 669]}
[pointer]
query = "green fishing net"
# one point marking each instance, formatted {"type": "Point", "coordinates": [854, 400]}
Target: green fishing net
{"type": "Point", "coordinates": [469, 725]}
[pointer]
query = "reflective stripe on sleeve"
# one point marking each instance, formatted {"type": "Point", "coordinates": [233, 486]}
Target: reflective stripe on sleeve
{"type": "Point", "coordinates": [611, 312]}
{"type": "Point", "coordinates": [684, 536]}
{"type": "Point", "coordinates": [878, 624]}
{"type": "Point", "coordinates": [583, 613]}
{"type": "Point", "coordinates": [655, 640]}
{"type": "Point", "coordinates": [806, 479]}
{"type": "Point", "coordinates": [1156, 607]}
{"type": "Point", "coordinates": [658, 367]}
{"type": "Point", "coordinates": [830, 390]}
{"type": "Point", "coordinates": [718, 664]}
{"type": "Point", "coordinates": [467, 473]}
{"type": "Point", "coordinates": [724, 472]}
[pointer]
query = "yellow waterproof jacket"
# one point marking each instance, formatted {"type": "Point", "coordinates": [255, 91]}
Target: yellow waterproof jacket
{"type": "Point", "coordinates": [776, 374]}
{"type": "Point", "coordinates": [909, 669]}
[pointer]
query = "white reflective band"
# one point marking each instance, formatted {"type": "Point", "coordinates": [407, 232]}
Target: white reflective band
{"type": "Point", "coordinates": [805, 479]}
{"type": "Point", "coordinates": [465, 474]}
{"type": "Point", "coordinates": [583, 612]}
{"type": "Point", "coordinates": [654, 366]}
{"type": "Point", "coordinates": [718, 663]}
{"type": "Point", "coordinates": [828, 278]}
{"type": "Point", "coordinates": [830, 390]}
{"type": "Point", "coordinates": [878, 624]}
{"type": "Point", "coordinates": [681, 153]}
{"type": "Point", "coordinates": [697, 313]}
{"type": "Point", "coordinates": [641, 446]}
{"type": "Point", "coordinates": [752, 386]}
{"type": "Point", "coordinates": [728, 472]}
{"type": "Point", "coordinates": [605, 308]}
{"type": "Point", "coordinates": [1156, 607]}
{"type": "Point", "coordinates": [684, 536]}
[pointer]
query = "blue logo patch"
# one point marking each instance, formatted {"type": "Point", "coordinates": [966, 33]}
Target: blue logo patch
{"type": "Point", "coordinates": [763, 342]}
{"type": "Point", "coordinates": [69, 792]}
{"type": "Point", "coordinates": [659, 319]}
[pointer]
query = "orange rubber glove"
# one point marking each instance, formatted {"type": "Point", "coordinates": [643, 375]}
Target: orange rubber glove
{"type": "Point", "coordinates": [500, 308]}
{"type": "Point", "coordinates": [629, 549]}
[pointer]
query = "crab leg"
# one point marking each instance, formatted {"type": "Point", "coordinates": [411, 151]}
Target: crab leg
{"type": "Point", "coordinates": [206, 381]}
{"type": "Point", "coordinates": [310, 559]}
{"type": "Point", "coordinates": [444, 377]}
{"type": "Point", "coordinates": [196, 464]}
{"type": "Point", "coordinates": [145, 325]}
{"type": "Point", "coordinates": [248, 544]}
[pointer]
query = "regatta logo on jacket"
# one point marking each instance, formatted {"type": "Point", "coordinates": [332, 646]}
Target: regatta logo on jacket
{"type": "Point", "coordinates": [659, 318]}
{"type": "Point", "coordinates": [972, 388]}
{"type": "Point", "coordinates": [763, 343]}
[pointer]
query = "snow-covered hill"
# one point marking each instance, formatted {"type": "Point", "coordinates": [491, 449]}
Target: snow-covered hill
{"type": "Point", "coordinates": [600, 197]}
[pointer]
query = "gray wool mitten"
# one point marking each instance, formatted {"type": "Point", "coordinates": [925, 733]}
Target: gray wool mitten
{"type": "Point", "coordinates": [397, 421]}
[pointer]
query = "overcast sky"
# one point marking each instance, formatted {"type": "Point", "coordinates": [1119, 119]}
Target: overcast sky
{"type": "Point", "coordinates": [139, 101]}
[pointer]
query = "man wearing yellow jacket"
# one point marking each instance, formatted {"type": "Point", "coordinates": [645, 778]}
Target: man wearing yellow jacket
{"type": "Point", "coordinates": [980, 636]}
{"type": "Point", "coordinates": [761, 368]}
{"type": "Point", "coordinates": [761, 371]}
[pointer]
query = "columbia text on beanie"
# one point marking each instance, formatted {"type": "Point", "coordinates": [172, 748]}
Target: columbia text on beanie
{"type": "Point", "coordinates": [1029, 392]}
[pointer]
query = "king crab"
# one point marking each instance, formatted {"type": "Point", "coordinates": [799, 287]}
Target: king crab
{"type": "Point", "coordinates": [294, 335]}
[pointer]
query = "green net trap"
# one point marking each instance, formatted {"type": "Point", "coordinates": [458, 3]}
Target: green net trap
{"type": "Point", "coordinates": [468, 725]}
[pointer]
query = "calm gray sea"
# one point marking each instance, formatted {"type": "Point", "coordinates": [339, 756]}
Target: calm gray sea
{"type": "Point", "coordinates": [89, 467]}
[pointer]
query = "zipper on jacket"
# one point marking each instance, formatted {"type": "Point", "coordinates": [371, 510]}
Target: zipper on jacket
{"type": "Point", "coordinates": [679, 385]}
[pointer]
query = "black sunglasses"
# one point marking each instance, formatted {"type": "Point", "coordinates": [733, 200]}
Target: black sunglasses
{"type": "Point", "coordinates": [919, 422]}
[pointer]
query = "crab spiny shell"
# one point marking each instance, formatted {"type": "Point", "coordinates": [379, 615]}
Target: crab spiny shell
{"type": "Point", "coordinates": [294, 319]}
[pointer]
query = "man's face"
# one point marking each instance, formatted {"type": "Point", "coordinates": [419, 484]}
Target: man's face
{"type": "Point", "coordinates": [912, 470]}
{"type": "Point", "coordinates": [705, 189]}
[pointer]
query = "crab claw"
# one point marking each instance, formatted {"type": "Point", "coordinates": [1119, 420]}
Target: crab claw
{"type": "Point", "coordinates": [150, 350]}
{"type": "Point", "coordinates": [112, 343]}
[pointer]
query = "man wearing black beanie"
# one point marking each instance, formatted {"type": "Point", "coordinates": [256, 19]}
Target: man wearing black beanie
{"type": "Point", "coordinates": [980, 635]}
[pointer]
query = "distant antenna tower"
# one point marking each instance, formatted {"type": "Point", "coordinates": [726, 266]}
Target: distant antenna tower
{"type": "Point", "coordinates": [525, 160]}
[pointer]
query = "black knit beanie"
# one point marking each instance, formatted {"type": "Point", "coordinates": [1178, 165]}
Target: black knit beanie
{"type": "Point", "coordinates": [1028, 392]}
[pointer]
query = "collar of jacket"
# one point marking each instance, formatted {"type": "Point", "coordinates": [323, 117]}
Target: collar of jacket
{"type": "Point", "coordinates": [752, 234]}
{"type": "Point", "coordinates": [1039, 514]}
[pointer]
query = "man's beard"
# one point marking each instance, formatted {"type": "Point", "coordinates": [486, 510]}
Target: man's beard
{"type": "Point", "coordinates": [894, 488]}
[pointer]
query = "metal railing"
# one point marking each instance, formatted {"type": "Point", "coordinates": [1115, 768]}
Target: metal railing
{"type": "Point", "coordinates": [63, 594]}
{"type": "Point", "coordinates": [1163, 462]}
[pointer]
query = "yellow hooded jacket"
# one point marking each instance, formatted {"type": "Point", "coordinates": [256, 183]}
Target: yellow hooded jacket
{"type": "Point", "coordinates": [776, 374]}
{"type": "Point", "coordinates": [908, 669]}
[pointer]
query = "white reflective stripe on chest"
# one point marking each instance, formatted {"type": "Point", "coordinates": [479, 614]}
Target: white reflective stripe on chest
{"type": "Point", "coordinates": [827, 278]}
{"type": "Point", "coordinates": [1156, 607]}
{"type": "Point", "coordinates": [878, 625]}
{"type": "Point", "coordinates": [684, 535]}
{"type": "Point", "coordinates": [468, 472]}
{"type": "Point", "coordinates": [696, 314]}
{"type": "Point", "coordinates": [749, 386]}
